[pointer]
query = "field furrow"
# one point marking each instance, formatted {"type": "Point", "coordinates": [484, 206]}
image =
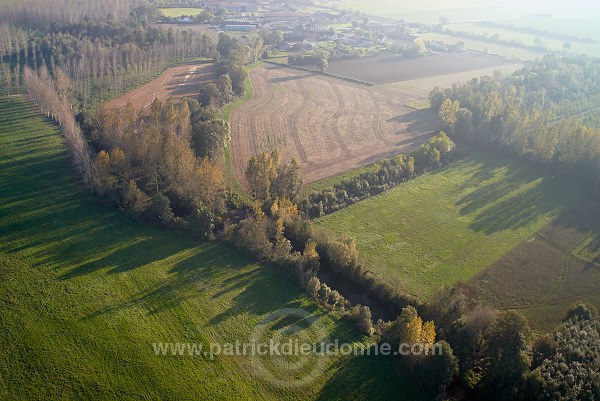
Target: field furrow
{"type": "Point", "coordinates": [329, 125]}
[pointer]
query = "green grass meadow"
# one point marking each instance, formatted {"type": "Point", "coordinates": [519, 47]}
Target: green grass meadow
{"type": "Point", "coordinates": [84, 293]}
{"type": "Point", "coordinates": [178, 12]}
{"type": "Point", "coordinates": [445, 227]}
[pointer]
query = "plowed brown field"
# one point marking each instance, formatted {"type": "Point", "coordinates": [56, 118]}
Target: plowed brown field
{"type": "Point", "coordinates": [329, 125]}
{"type": "Point", "coordinates": [388, 69]}
{"type": "Point", "coordinates": [177, 82]}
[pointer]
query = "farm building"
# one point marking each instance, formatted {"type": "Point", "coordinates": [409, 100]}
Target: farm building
{"type": "Point", "coordinates": [240, 28]}
{"type": "Point", "coordinates": [403, 38]}
{"type": "Point", "coordinates": [316, 28]}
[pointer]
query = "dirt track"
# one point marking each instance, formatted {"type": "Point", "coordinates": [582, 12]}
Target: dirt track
{"type": "Point", "coordinates": [177, 82]}
{"type": "Point", "coordinates": [329, 125]}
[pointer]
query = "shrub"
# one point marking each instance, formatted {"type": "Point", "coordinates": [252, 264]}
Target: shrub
{"type": "Point", "coordinates": [361, 316]}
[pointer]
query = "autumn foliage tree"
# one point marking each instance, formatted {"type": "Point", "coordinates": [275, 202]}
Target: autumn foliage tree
{"type": "Point", "coordinates": [51, 97]}
{"type": "Point", "coordinates": [154, 153]}
{"type": "Point", "coordinates": [268, 177]}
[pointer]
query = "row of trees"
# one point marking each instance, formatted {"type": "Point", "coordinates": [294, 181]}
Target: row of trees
{"type": "Point", "coordinates": [274, 232]}
{"type": "Point", "coordinates": [35, 13]}
{"type": "Point", "coordinates": [101, 57]}
{"type": "Point", "coordinates": [384, 175]}
{"type": "Point", "coordinates": [50, 96]}
{"type": "Point", "coordinates": [281, 238]}
{"type": "Point", "coordinates": [524, 114]}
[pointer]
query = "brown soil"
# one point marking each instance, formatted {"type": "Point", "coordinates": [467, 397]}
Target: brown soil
{"type": "Point", "coordinates": [177, 82]}
{"type": "Point", "coordinates": [387, 69]}
{"type": "Point", "coordinates": [327, 124]}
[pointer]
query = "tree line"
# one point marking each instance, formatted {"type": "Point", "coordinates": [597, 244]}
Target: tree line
{"type": "Point", "coordinates": [36, 13]}
{"type": "Point", "coordinates": [50, 95]}
{"type": "Point", "coordinates": [532, 114]}
{"type": "Point", "coordinates": [102, 58]}
{"type": "Point", "coordinates": [384, 175]}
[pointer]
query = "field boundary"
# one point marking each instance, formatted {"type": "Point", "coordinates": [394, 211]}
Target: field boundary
{"type": "Point", "coordinates": [324, 73]}
{"type": "Point", "coordinates": [226, 116]}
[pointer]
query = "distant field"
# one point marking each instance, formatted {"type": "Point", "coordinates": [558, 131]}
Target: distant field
{"type": "Point", "coordinates": [427, 11]}
{"type": "Point", "coordinates": [84, 293]}
{"type": "Point", "coordinates": [486, 47]}
{"type": "Point", "coordinates": [430, 11]}
{"type": "Point", "coordinates": [447, 227]}
{"type": "Point", "coordinates": [329, 125]}
{"type": "Point", "coordinates": [200, 28]}
{"type": "Point", "coordinates": [182, 81]}
{"type": "Point", "coordinates": [388, 69]}
{"type": "Point", "coordinates": [178, 12]}
{"type": "Point", "coordinates": [578, 18]}
{"type": "Point", "coordinates": [554, 44]}
{"type": "Point", "coordinates": [581, 27]}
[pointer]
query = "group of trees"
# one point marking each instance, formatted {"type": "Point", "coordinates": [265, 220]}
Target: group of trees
{"type": "Point", "coordinates": [384, 175]}
{"type": "Point", "coordinates": [494, 355]}
{"type": "Point", "coordinates": [164, 166]}
{"type": "Point", "coordinates": [532, 114]}
{"type": "Point", "coordinates": [274, 231]}
{"type": "Point", "coordinates": [565, 364]}
{"type": "Point", "coordinates": [269, 178]}
{"type": "Point", "coordinates": [231, 57]}
{"type": "Point", "coordinates": [319, 59]}
{"type": "Point", "coordinates": [102, 58]}
{"type": "Point", "coordinates": [159, 167]}
{"type": "Point", "coordinates": [499, 358]}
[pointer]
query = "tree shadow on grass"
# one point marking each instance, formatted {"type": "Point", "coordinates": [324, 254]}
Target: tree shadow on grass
{"type": "Point", "coordinates": [369, 377]}
{"type": "Point", "coordinates": [516, 200]}
{"type": "Point", "coordinates": [516, 211]}
{"type": "Point", "coordinates": [263, 292]}
{"type": "Point", "coordinates": [194, 271]}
